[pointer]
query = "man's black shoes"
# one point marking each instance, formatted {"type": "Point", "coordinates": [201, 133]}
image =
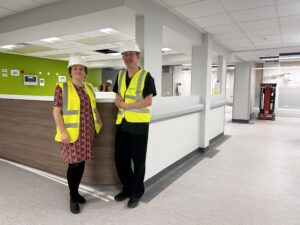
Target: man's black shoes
{"type": "Point", "coordinates": [133, 202]}
{"type": "Point", "coordinates": [121, 196]}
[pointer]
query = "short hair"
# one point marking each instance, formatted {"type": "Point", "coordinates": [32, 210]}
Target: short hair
{"type": "Point", "coordinates": [85, 70]}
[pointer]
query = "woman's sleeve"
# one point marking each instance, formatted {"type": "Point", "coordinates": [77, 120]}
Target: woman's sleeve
{"type": "Point", "coordinates": [58, 97]}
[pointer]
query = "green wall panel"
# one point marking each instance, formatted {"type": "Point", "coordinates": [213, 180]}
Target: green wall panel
{"type": "Point", "coordinates": [34, 66]}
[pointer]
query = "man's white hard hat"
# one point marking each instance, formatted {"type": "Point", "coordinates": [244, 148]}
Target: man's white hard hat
{"type": "Point", "coordinates": [109, 81]}
{"type": "Point", "coordinates": [77, 60]}
{"type": "Point", "coordinates": [130, 46]}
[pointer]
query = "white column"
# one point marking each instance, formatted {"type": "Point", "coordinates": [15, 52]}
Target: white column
{"type": "Point", "coordinates": [196, 70]}
{"type": "Point", "coordinates": [222, 74]}
{"type": "Point", "coordinates": [205, 87]}
{"type": "Point", "coordinates": [149, 37]}
{"type": "Point", "coordinates": [241, 92]}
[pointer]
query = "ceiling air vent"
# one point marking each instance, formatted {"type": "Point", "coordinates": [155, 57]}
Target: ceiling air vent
{"type": "Point", "coordinates": [106, 51]}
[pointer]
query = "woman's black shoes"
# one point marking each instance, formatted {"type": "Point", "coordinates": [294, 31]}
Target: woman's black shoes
{"type": "Point", "coordinates": [74, 207]}
{"type": "Point", "coordinates": [81, 199]}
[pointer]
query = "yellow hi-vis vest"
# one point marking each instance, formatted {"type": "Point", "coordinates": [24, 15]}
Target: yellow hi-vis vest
{"type": "Point", "coordinates": [132, 94]}
{"type": "Point", "coordinates": [71, 110]}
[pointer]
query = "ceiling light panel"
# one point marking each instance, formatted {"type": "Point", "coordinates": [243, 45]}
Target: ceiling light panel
{"type": "Point", "coordinates": [109, 31]}
{"type": "Point", "coordinates": [52, 40]}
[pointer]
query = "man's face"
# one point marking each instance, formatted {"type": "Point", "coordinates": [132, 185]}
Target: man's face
{"type": "Point", "coordinates": [131, 59]}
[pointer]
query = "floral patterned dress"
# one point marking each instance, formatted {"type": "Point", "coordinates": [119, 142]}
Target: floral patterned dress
{"type": "Point", "coordinates": [81, 149]}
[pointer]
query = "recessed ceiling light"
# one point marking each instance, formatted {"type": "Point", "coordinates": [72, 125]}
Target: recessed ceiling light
{"type": "Point", "coordinates": [8, 46]}
{"type": "Point", "coordinates": [115, 54]}
{"type": "Point", "coordinates": [109, 31]}
{"type": "Point", "coordinates": [166, 49]}
{"type": "Point", "coordinates": [52, 39]}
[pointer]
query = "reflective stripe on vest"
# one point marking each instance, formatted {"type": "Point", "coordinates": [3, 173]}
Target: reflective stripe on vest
{"type": "Point", "coordinates": [71, 115]}
{"type": "Point", "coordinates": [136, 88]}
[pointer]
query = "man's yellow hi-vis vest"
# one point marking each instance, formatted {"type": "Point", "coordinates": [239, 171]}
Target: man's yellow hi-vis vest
{"type": "Point", "coordinates": [71, 110]}
{"type": "Point", "coordinates": [132, 94]}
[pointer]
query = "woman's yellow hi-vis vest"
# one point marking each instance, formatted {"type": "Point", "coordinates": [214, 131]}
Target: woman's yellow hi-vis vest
{"type": "Point", "coordinates": [132, 94]}
{"type": "Point", "coordinates": [71, 110]}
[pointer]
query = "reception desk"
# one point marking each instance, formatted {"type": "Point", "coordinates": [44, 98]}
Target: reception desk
{"type": "Point", "coordinates": [27, 134]}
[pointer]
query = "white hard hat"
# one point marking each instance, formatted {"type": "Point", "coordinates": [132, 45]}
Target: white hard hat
{"type": "Point", "coordinates": [77, 60]}
{"type": "Point", "coordinates": [130, 46]}
{"type": "Point", "coordinates": [109, 81]}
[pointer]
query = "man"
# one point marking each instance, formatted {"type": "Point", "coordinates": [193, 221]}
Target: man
{"type": "Point", "coordinates": [106, 86]}
{"type": "Point", "coordinates": [135, 89]}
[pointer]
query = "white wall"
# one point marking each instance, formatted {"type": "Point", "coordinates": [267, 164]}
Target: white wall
{"type": "Point", "coordinates": [216, 121]}
{"type": "Point", "coordinates": [170, 140]}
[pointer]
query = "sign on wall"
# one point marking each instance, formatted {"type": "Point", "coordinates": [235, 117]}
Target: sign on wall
{"type": "Point", "coordinates": [14, 72]}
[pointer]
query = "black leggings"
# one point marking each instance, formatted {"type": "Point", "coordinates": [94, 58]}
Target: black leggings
{"type": "Point", "coordinates": [74, 175]}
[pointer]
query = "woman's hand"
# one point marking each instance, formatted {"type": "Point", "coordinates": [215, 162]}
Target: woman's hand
{"type": "Point", "coordinates": [65, 138]}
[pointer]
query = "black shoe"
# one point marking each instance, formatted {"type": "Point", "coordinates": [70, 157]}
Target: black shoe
{"type": "Point", "coordinates": [81, 199]}
{"type": "Point", "coordinates": [74, 207]}
{"type": "Point", "coordinates": [133, 202]}
{"type": "Point", "coordinates": [121, 196]}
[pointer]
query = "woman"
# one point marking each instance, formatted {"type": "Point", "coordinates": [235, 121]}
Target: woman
{"type": "Point", "coordinates": [78, 121]}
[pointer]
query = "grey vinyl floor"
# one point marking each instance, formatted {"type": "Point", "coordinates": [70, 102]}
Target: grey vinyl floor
{"type": "Point", "coordinates": [253, 179]}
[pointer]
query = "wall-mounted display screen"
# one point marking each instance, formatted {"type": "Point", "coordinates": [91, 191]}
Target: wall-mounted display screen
{"type": "Point", "coordinates": [30, 80]}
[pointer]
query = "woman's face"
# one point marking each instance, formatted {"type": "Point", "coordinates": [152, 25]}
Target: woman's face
{"type": "Point", "coordinates": [78, 72]}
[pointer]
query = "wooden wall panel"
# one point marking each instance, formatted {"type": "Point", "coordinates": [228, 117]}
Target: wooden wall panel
{"type": "Point", "coordinates": [27, 136]}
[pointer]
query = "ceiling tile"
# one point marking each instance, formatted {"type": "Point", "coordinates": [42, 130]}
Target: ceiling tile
{"type": "Point", "coordinates": [198, 9]}
{"type": "Point", "coordinates": [290, 24]}
{"type": "Point", "coordinates": [42, 54]}
{"type": "Point", "coordinates": [263, 32]}
{"type": "Point", "coordinates": [105, 39]}
{"type": "Point", "coordinates": [215, 20]}
{"type": "Point", "coordinates": [67, 44]}
{"type": "Point", "coordinates": [31, 49]}
{"type": "Point", "coordinates": [232, 35]}
{"type": "Point", "coordinates": [254, 14]}
{"type": "Point", "coordinates": [285, 1]}
{"type": "Point", "coordinates": [223, 29]}
{"type": "Point", "coordinates": [46, 1]}
{"type": "Point", "coordinates": [65, 55]}
{"type": "Point", "coordinates": [288, 43]}
{"type": "Point", "coordinates": [259, 24]}
{"type": "Point", "coordinates": [174, 3]}
{"type": "Point", "coordinates": [237, 42]}
{"type": "Point", "coordinates": [240, 48]}
{"type": "Point", "coordinates": [291, 8]}
{"type": "Point", "coordinates": [19, 5]}
{"type": "Point", "coordinates": [266, 38]}
{"type": "Point", "coordinates": [5, 12]}
{"type": "Point", "coordinates": [268, 44]}
{"type": "Point", "coordinates": [291, 36]}
{"type": "Point", "coordinates": [247, 56]}
{"type": "Point", "coordinates": [234, 5]}
{"type": "Point", "coordinates": [91, 34]}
